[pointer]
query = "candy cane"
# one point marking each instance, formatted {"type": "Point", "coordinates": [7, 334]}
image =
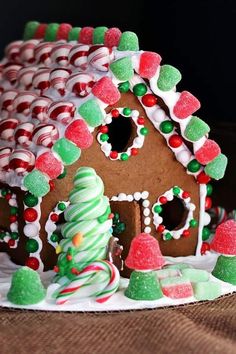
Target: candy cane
{"type": "Point", "coordinates": [60, 54]}
{"type": "Point", "coordinates": [39, 108]}
{"type": "Point", "coordinates": [27, 51]}
{"type": "Point", "coordinates": [6, 102]}
{"type": "Point", "coordinates": [58, 78]}
{"type": "Point", "coordinates": [81, 84]}
{"type": "Point", "coordinates": [78, 56]}
{"type": "Point", "coordinates": [10, 72]}
{"type": "Point", "coordinates": [220, 215]}
{"type": "Point", "coordinates": [45, 134]}
{"type": "Point", "coordinates": [12, 51]}
{"type": "Point", "coordinates": [23, 134]}
{"type": "Point", "coordinates": [62, 112]}
{"type": "Point", "coordinates": [42, 53]}
{"type": "Point", "coordinates": [100, 57]}
{"type": "Point", "coordinates": [23, 101]}
{"type": "Point", "coordinates": [41, 79]}
{"type": "Point", "coordinates": [5, 154]}
{"type": "Point", "coordinates": [7, 128]}
{"type": "Point", "coordinates": [21, 161]}
{"type": "Point", "coordinates": [86, 284]}
{"type": "Point", "coordinates": [25, 76]}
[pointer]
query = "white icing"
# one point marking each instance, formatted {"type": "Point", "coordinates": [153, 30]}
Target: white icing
{"type": "Point", "coordinates": [202, 195]}
{"type": "Point", "coordinates": [13, 225]}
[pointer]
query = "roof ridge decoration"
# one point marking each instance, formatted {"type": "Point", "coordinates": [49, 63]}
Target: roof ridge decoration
{"type": "Point", "coordinates": [54, 89]}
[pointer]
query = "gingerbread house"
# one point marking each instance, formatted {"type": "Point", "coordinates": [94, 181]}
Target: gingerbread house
{"type": "Point", "coordinates": [74, 97]}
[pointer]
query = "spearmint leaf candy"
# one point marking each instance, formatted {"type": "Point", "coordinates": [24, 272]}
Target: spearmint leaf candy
{"type": "Point", "coordinates": [67, 151]}
{"type": "Point", "coordinates": [148, 64]}
{"type": "Point", "coordinates": [196, 129]}
{"type": "Point", "coordinates": [122, 69]}
{"type": "Point", "coordinates": [26, 287]}
{"type": "Point", "coordinates": [49, 164]}
{"type": "Point", "coordinates": [74, 34]}
{"type": "Point", "coordinates": [167, 273]}
{"type": "Point", "coordinates": [186, 105]}
{"type": "Point", "coordinates": [143, 286]}
{"type": "Point", "coordinates": [206, 290]}
{"type": "Point", "coordinates": [195, 275]}
{"type": "Point", "coordinates": [30, 29]}
{"type": "Point", "coordinates": [78, 133]}
{"type": "Point", "coordinates": [91, 112]}
{"type": "Point", "coordinates": [207, 152]}
{"type": "Point", "coordinates": [216, 168]}
{"type": "Point", "coordinates": [98, 34]}
{"type": "Point", "coordinates": [177, 266]}
{"type": "Point", "coordinates": [106, 91]}
{"type": "Point", "coordinates": [168, 78]}
{"type": "Point", "coordinates": [177, 287]}
{"type": "Point", "coordinates": [36, 183]}
{"type": "Point", "coordinates": [128, 41]}
{"type": "Point", "coordinates": [51, 32]}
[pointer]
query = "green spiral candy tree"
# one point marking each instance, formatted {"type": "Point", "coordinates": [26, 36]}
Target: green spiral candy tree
{"type": "Point", "coordinates": [88, 226]}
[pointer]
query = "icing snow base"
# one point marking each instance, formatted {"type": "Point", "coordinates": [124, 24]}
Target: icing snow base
{"type": "Point", "coordinates": [118, 302]}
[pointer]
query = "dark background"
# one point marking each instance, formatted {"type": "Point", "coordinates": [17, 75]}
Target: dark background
{"type": "Point", "coordinates": [198, 37]}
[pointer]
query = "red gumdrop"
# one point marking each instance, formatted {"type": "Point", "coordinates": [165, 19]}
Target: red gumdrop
{"type": "Point", "coordinates": [209, 150]}
{"type": "Point", "coordinates": [106, 91]}
{"type": "Point", "coordinates": [112, 37]}
{"type": "Point", "coordinates": [78, 133]}
{"type": "Point", "coordinates": [186, 105]}
{"type": "Point", "coordinates": [144, 253]}
{"type": "Point", "coordinates": [86, 35]}
{"type": "Point", "coordinates": [63, 31]}
{"type": "Point", "coordinates": [178, 291]}
{"type": "Point", "coordinates": [149, 62]}
{"type": "Point", "coordinates": [224, 241]}
{"type": "Point", "coordinates": [40, 31]}
{"type": "Point", "coordinates": [49, 164]}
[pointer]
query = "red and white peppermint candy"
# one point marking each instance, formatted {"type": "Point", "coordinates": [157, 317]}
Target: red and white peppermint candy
{"type": "Point", "coordinates": [58, 78]}
{"type": "Point", "coordinates": [100, 57]}
{"type": "Point", "coordinates": [25, 76]}
{"type": "Point", "coordinates": [6, 102]}
{"type": "Point", "coordinates": [60, 54]}
{"type": "Point", "coordinates": [10, 72]}
{"type": "Point", "coordinates": [22, 160]}
{"type": "Point", "coordinates": [27, 51]}
{"type": "Point", "coordinates": [62, 112]}
{"type": "Point", "coordinates": [7, 128]}
{"type": "Point", "coordinates": [41, 79]}
{"type": "Point", "coordinates": [42, 53]}
{"type": "Point", "coordinates": [39, 108]}
{"type": "Point", "coordinates": [12, 51]}
{"type": "Point", "coordinates": [23, 134]}
{"type": "Point", "coordinates": [23, 101]}
{"type": "Point", "coordinates": [78, 56]}
{"type": "Point", "coordinates": [45, 134]}
{"type": "Point", "coordinates": [5, 154]}
{"type": "Point", "coordinates": [81, 84]}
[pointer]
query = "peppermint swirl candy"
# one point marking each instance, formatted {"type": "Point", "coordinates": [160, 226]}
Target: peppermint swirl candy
{"type": "Point", "coordinates": [42, 53]}
{"type": "Point", "coordinates": [23, 134]}
{"type": "Point", "coordinates": [99, 280]}
{"type": "Point", "coordinates": [45, 135]}
{"type": "Point", "coordinates": [6, 102]}
{"type": "Point", "coordinates": [100, 57]}
{"type": "Point", "coordinates": [23, 101]}
{"type": "Point", "coordinates": [81, 84]}
{"type": "Point", "coordinates": [60, 54]}
{"type": "Point", "coordinates": [7, 128]}
{"type": "Point", "coordinates": [41, 79]}
{"type": "Point", "coordinates": [27, 51]}
{"type": "Point", "coordinates": [58, 79]}
{"type": "Point", "coordinates": [25, 77]}
{"type": "Point", "coordinates": [10, 72]}
{"type": "Point", "coordinates": [22, 161]}
{"type": "Point", "coordinates": [78, 56]}
{"type": "Point", "coordinates": [62, 112]}
{"type": "Point", "coordinates": [232, 215]}
{"type": "Point", "coordinates": [12, 51]}
{"type": "Point", "coordinates": [39, 109]}
{"type": "Point", "coordinates": [5, 154]}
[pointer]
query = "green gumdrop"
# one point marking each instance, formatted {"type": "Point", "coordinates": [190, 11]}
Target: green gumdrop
{"type": "Point", "coordinates": [168, 78]}
{"type": "Point", "coordinates": [51, 32]}
{"type": "Point", "coordinates": [98, 34]}
{"type": "Point", "coordinates": [143, 286]}
{"type": "Point", "coordinates": [128, 41]}
{"type": "Point", "coordinates": [206, 290]}
{"type": "Point", "coordinates": [122, 69]}
{"type": "Point", "coordinates": [74, 34]}
{"type": "Point", "coordinates": [30, 29]}
{"type": "Point", "coordinates": [196, 129]}
{"type": "Point", "coordinates": [36, 183]}
{"type": "Point", "coordinates": [225, 269]}
{"type": "Point", "coordinates": [195, 275]}
{"type": "Point", "coordinates": [91, 112]}
{"type": "Point", "coordinates": [26, 287]}
{"type": "Point", "coordinates": [68, 152]}
{"type": "Point", "coordinates": [216, 168]}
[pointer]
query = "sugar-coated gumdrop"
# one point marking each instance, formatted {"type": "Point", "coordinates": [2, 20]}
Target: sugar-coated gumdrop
{"type": "Point", "coordinates": [98, 34]}
{"type": "Point", "coordinates": [63, 31]}
{"type": "Point", "coordinates": [122, 69]}
{"type": "Point", "coordinates": [207, 152]}
{"type": "Point", "coordinates": [167, 273]}
{"type": "Point", "coordinates": [128, 41]}
{"type": "Point", "coordinates": [67, 151]}
{"type": "Point", "coordinates": [143, 286]}
{"type": "Point", "coordinates": [168, 78]}
{"type": "Point", "coordinates": [196, 129]}
{"type": "Point", "coordinates": [49, 164]}
{"type": "Point", "coordinates": [30, 29]}
{"type": "Point", "coordinates": [86, 35]}
{"type": "Point", "coordinates": [206, 290]}
{"type": "Point", "coordinates": [195, 275]}
{"type": "Point", "coordinates": [26, 287]}
{"type": "Point", "coordinates": [91, 112]}
{"type": "Point", "coordinates": [79, 133]}
{"type": "Point", "coordinates": [106, 91]}
{"type": "Point", "coordinates": [224, 240]}
{"type": "Point", "coordinates": [149, 62]}
{"type": "Point", "coordinates": [36, 183]}
{"type": "Point", "coordinates": [186, 105]}
{"type": "Point", "coordinates": [40, 31]}
{"type": "Point", "coordinates": [144, 253]}
{"type": "Point", "coordinates": [225, 269]}
{"type": "Point", "coordinates": [177, 287]}
{"type": "Point", "coordinates": [216, 168]}
{"type": "Point", "coordinates": [112, 37]}
{"type": "Point", "coordinates": [51, 32]}
{"type": "Point", "coordinates": [74, 34]}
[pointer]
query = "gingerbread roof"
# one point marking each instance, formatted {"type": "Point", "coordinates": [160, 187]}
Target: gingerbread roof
{"type": "Point", "coordinates": [55, 86]}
